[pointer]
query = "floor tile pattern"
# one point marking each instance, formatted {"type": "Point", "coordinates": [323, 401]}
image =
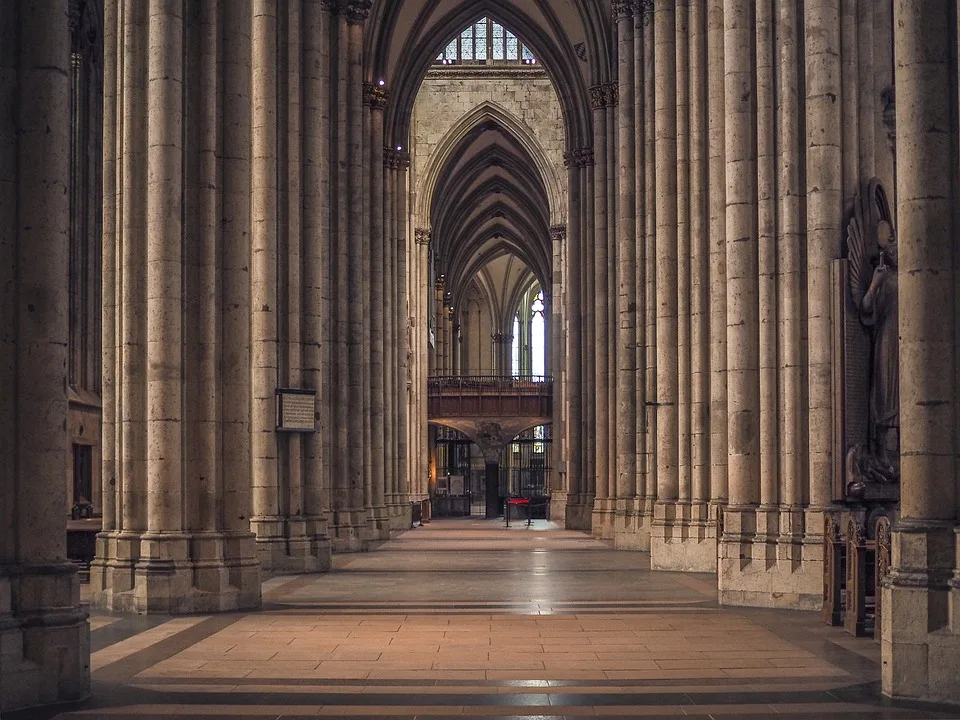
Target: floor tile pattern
{"type": "Point", "coordinates": [468, 619]}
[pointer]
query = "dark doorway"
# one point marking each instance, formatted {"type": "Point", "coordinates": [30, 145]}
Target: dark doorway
{"type": "Point", "coordinates": [82, 474]}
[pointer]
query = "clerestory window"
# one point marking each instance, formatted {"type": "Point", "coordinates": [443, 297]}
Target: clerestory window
{"type": "Point", "coordinates": [486, 43]}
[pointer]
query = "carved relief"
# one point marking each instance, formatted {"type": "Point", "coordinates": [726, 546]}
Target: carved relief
{"type": "Point", "coordinates": [375, 96]}
{"type": "Point", "coordinates": [605, 95]}
{"type": "Point", "coordinates": [872, 277]}
{"type": "Point", "coordinates": [623, 9]}
{"type": "Point", "coordinates": [578, 157]}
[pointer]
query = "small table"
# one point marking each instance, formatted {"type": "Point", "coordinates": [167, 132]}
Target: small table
{"type": "Point", "coordinates": [517, 501]}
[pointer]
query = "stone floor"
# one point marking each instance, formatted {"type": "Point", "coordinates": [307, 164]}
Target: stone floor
{"type": "Point", "coordinates": [465, 618]}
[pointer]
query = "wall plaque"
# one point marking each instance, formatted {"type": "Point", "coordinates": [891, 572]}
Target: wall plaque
{"type": "Point", "coordinates": [296, 410]}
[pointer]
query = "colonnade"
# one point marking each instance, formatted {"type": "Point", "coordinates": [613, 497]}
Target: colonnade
{"type": "Point", "coordinates": [44, 634]}
{"type": "Point", "coordinates": [254, 239]}
{"type": "Point", "coordinates": [744, 130]}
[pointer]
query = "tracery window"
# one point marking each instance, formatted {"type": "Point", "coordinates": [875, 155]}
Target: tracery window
{"type": "Point", "coordinates": [484, 43]}
{"type": "Point", "coordinates": [538, 337]}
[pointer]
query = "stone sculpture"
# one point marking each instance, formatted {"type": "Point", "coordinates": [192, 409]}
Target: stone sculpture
{"type": "Point", "coordinates": [872, 257]}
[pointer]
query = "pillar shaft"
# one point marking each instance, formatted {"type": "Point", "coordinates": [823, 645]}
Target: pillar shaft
{"type": "Point", "coordinates": [164, 258]}
{"type": "Point", "coordinates": [718, 255]}
{"type": "Point", "coordinates": [626, 378]}
{"type": "Point", "coordinates": [263, 274]}
{"type": "Point", "coordinates": [683, 243]}
{"type": "Point", "coordinates": [666, 253]}
{"type": "Point", "coordinates": [743, 382]}
{"type": "Point", "coordinates": [790, 258]}
{"type": "Point", "coordinates": [821, 19]}
{"type": "Point", "coordinates": [43, 632]}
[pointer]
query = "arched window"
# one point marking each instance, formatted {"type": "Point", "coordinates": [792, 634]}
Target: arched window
{"type": "Point", "coordinates": [516, 346]}
{"type": "Point", "coordinates": [538, 337]}
{"type": "Point", "coordinates": [486, 43]}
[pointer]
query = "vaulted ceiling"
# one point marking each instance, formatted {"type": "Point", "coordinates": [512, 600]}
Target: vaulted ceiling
{"type": "Point", "coordinates": [572, 39]}
{"type": "Point", "coordinates": [490, 201]}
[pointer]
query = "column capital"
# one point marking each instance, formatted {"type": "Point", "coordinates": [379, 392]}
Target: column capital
{"type": "Point", "coordinates": [422, 236]}
{"type": "Point", "coordinates": [624, 9]}
{"type": "Point", "coordinates": [558, 233]}
{"type": "Point", "coordinates": [394, 159]}
{"type": "Point", "coordinates": [578, 157]}
{"type": "Point", "coordinates": [375, 96]}
{"type": "Point", "coordinates": [355, 12]}
{"type": "Point", "coordinates": [604, 95]}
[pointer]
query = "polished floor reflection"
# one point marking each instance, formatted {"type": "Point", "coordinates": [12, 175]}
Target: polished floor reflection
{"type": "Point", "coordinates": [465, 618]}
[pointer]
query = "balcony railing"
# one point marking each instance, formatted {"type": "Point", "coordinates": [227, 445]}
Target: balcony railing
{"type": "Point", "coordinates": [480, 395]}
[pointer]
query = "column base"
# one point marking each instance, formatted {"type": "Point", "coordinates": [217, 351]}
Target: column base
{"type": "Point", "coordinates": [348, 531]}
{"type": "Point", "coordinates": [290, 546]}
{"type": "Point", "coordinates": [602, 518]}
{"type": "Point", "coordinates": [44, 636]}
{"type": "Point", "coordinates": [401, 515]}
{"type": "Point", "coordinates": [578, 512]}
{"type": "Point", "coordinates": [683, 537]}
{"type": "Point", "coordinates": [378, 523]}
{"type": "Point", "coordinates": [920, 646]}
{"type": "Point", "coordinates": [631, 524]}
{"type": "Point", "coordinates": [175, 574]}
{"type": "Point", "coordinates": [765, 560]}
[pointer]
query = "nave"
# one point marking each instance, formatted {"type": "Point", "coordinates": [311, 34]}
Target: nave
{"type": "Point", "coordinates": [465, 618]}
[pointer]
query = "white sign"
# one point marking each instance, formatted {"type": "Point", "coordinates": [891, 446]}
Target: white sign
{"type": "Point", "coordinates": [296, 410]}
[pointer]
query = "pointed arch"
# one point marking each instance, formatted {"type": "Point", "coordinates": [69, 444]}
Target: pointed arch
{"type": "Point", "coordinates": [490, 112]}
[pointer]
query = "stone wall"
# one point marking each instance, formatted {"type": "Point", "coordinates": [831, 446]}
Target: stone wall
{"type": "Point", "coordinates": [448, 95]}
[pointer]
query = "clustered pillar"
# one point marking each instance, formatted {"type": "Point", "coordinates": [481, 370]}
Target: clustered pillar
{"type": "Point", "coordinates": [745, 130]}
{"type": "Point", "coordinates": [257, 233]}
{"type": "Point", "coordinates": [44, 634]}
{"type": "Point", "coordinates": [921, 595]}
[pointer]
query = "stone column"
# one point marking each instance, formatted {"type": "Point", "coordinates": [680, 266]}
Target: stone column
{"type": "Point", "coordinates": [587, 311]}
{"type": "Point", "coordinates": [162, 570]}
{"type": "Point", "coordinates": [375, 96]}
{"type": "Point", "coordinates": [626, 378]}
{"type": "Point", "coordinates": [266, 520]}
{"type": "Point", "coordinates": [667, 378]}
{"type": "Point", "coordinates": [718, 254]}
{"type": "Point", "coordinates": [743, 381]}
{"type": "Point", "coordinates": [352, 55]}
{"type": "Point", "coordinates": [192, 551]}
{"type": "Point", "coordinates": [317, 327]}
{"type": "Point", "coordinates": [767, 520]}
{"type": "Point", "coordinates": [601, 101]}
{"type": "Point", "coordinates": [401, 350]}
{"type": "Point", "coordinates": [390, 164]}
{"type": "Point", "coordinates": [649, 393]}
{"type": "Point", "coordinates": [821, 25]}
{"type": "Point", "coordinates": [682, 60]}
{"type": "Point", "coordinates": [44, 634]}
{"type": "Point", "coordinates": [921, 631]}
{"type": "Point", "coordinates": [789, 275]}
{"type": "Point", "coordinates": [702, 529]}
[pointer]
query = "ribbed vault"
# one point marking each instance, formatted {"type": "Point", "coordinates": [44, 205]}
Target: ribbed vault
{"type": "Point", "coordinates": [490, 200]}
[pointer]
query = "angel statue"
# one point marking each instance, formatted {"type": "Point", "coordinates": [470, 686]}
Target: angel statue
{"type": "Point", "coordinates": [872, 247]}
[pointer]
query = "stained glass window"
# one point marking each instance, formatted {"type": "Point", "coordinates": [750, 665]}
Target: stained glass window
{"type": "Point", "coordinates": [486, 41]}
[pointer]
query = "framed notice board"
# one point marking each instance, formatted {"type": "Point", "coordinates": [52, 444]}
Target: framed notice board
{"type": "Point", "coordinates": [296, 410]}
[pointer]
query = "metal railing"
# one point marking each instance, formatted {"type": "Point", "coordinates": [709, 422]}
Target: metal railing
{"type": "Point", "coordinates": [489, 384]}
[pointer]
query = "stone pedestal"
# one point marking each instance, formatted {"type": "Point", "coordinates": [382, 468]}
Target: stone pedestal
{"type": "Point", "coordinates": [45, 643]}
{"type": "Point", "coordinates": [602, 519]}
{"type": "Point", "coordinates": [683, 537]}
{"type": "Point", "coordinates": [175, 573]}
{"type": "Point", "coordinates": [765, 569]}
{"type": "Point", "coordinates": [921, 642]}
{"type": "Point", "coordinates": [631, 528]}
